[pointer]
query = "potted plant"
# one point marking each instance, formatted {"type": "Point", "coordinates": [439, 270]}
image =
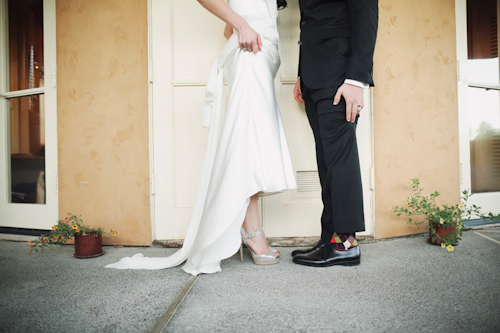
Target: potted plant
{"type": "Point", "coordinates": [88, 240]}
{"type": "Point", "coordinates": [445, 223]}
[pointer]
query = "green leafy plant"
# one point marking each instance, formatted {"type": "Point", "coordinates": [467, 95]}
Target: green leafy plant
{"type": "Point", "coordinates": [64, 230]}
{"type": "Point", "coordinates": [451, 217]}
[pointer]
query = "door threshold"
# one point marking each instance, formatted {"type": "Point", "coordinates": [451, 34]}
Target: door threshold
{"type": "Point", "coordinates": [23, 231]}
{"type": "Point", "coordinates": [273, 241]}
{"type": "Point", "coordinates": [479, 223]}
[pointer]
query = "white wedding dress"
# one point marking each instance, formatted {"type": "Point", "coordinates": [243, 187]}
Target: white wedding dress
{"type": "Point", "coordinates": [247, 151]}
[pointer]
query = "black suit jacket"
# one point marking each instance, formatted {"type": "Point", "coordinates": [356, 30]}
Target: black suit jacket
{"type": "Point", "coordinates": [337, 41]}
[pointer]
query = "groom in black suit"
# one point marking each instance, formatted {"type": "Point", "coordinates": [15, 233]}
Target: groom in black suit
{"type": "Point", "coordinates": [337, 41]}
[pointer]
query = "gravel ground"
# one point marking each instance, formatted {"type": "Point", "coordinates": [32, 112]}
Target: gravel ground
{"type": "Point", "coordinates": [402, 285]}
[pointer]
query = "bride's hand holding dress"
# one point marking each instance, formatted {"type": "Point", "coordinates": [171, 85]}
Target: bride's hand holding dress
{"type": "Point", "coordinates": [248, 39]}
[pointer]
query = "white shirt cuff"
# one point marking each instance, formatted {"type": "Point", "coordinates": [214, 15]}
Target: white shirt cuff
{"type": "Point", "coordinates": [357, 83]}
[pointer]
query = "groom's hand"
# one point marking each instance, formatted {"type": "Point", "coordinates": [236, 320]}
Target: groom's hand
{"type": "Point", "coordinates": [297, 93]}
{"type": "Point", "coordinates": [353, 96]}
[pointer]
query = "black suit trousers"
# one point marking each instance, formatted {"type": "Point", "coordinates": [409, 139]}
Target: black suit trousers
{"type": "Point", "coordinates": [338, 163]}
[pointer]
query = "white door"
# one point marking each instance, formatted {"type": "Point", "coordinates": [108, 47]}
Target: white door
{"type": "Point", "coordinates": [28, 140]}
{"type": "Point", "coordinates": [479, 100]}
{"type": "Point", "coordinates": [185, 40]}
{"type": "Point", "coordinates": [297, 213]}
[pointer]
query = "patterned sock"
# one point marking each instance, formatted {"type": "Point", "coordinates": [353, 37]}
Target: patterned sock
{"type": "Point", "coordinates": [342, 242]}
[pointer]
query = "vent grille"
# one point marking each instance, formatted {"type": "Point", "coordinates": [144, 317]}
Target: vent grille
{"type": "Point", "coordinates": [495, 154]}
{"type": "Point", "coordinates": [308, 182]}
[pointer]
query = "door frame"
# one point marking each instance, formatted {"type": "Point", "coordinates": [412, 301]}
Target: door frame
{"type": "Point", "coordinates": [32, 216]}
{"type": "Point", "coordinates": [161, 85]}
{"type": "Point", "coordinates": [161, 184]}
{"type": "Point", "coordinates": [488, 201]}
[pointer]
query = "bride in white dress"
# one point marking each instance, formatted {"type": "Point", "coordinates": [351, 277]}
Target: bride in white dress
{"type": "Point", "coordinates": [247, 152]}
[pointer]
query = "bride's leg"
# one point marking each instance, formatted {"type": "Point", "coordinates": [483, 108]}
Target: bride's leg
{"type": "Point", "coordinates": [252, 224]}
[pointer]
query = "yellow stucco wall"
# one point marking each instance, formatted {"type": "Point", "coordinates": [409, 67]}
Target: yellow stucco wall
{"type": "Point", "coordinates": [102, 99]}
{"type": "Point", "coordinates": [415, 106]}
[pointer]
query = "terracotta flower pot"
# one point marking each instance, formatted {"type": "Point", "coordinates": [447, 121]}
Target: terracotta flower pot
{"type": "Point", "coordinates": [88, 246]}
{"type": "Point", "coordinates": [441, 231]}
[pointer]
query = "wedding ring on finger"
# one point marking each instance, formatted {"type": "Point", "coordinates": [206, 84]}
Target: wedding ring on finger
{"type": "Point", "coordinates": [360, 106]}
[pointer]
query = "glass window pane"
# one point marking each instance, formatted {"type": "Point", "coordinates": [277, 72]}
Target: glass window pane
{"type": "Point", "coordinates": [27, 149]}
{"type": "Point", "coordinates": [482, 41]}
{"type": "Point", "coordinates": [484, 120]}
{"type": "Point", "coordinates": [25, 44]}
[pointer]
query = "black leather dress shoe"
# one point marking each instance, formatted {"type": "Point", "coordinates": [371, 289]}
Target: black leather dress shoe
{"type": "Point", "coordinates": [319, 245]}
{"type": "Point", "coordinates": [328, 256]}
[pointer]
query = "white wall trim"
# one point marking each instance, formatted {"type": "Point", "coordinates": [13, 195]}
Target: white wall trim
{"type": "Point", "coordinates": [462, 94]}
{"type": "Point", "coordinates": [372, 169]}
{"type": "Point", "coordinates": [151, 122]}
{"type": "Point", "coordinates": [161, 103]}
{"type": "Point", "coordinates": [51, 152]}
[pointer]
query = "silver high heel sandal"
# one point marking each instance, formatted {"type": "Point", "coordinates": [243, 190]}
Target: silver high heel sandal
{"type": "Point", "coordinates": [259, 259]}
{"type": "Point", "coordinates": [241, 251]}
{"type": "Point", "coordinates": [241, 246]}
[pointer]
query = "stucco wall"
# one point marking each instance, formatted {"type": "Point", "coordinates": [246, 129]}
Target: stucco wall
{"type": "Point", "coordinates": [103, 115]}
{"type": "Point", "coordinates": [415, 106]}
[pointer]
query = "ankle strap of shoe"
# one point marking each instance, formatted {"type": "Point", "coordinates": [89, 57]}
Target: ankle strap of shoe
{"type": "Point", "coordinates": [253, 234]}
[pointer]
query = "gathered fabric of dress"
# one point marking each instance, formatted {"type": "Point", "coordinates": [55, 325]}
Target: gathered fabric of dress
{"type": "Point", "coordinates": [247, 150]}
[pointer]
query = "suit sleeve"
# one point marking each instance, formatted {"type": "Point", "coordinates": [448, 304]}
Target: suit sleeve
{"type": "Point", "coordinates": [298, 71]}
{"type": "Point", "coordinates": [364, 25]}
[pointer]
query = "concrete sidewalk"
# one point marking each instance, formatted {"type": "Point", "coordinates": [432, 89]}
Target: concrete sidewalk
{"type": "Point", "coordinates": [402, 285]}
